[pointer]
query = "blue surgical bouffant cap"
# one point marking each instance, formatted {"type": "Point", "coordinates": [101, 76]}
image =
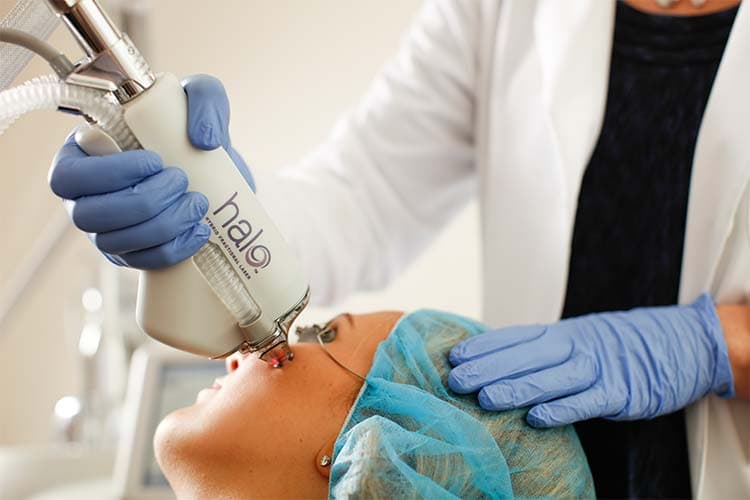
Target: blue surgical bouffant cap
{"type": "Point", "coordinates": [408, 436]}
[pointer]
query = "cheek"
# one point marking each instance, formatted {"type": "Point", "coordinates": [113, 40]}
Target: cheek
{"type": "Point", "coordinates": [274, 410]}
{"type": "Point", "coordinates": [222, 422]}
{"type": "Point", "coordinates": [259, 414]}
{"type": "Point", "coordinates": [242, 413]}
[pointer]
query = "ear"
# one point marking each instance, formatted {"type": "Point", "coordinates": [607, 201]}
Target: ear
{"type": "Point", "coordinates": [324, 459]}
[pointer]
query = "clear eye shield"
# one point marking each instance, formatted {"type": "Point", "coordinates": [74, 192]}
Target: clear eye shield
{"type": "Point", "coordinates": [324, 334]}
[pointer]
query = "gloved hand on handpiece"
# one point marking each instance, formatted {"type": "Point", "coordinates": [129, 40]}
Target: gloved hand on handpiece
{"type": "Point", "coordinates": [137, 210]}
{"type": "Point", "coordinates": [629, 365]}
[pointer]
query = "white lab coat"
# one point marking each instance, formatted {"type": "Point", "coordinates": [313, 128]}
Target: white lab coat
{"type": "Point", "coordinates": [504, 100]}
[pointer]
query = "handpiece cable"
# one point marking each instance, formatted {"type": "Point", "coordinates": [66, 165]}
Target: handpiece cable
{"type": "Point", "coordinates": [56, 59]}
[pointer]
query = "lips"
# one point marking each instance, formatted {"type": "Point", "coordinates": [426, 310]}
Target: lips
{"type": "Point", "coordinates": [209, 392]}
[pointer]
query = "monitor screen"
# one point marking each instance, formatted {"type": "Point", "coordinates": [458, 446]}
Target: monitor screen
{"type": "Point", "coordinates": [178, 385]}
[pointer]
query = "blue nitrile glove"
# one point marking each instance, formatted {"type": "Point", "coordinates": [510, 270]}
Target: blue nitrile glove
{"type": "Point", "coordinates": [137, 210]}
{"type": "Point", "coordinates": [620, 366]}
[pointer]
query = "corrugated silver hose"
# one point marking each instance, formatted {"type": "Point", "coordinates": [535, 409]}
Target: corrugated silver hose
{"type": "Point", "coordinates": [49, 92]}
{"type": "Point", "coordinates": [31, 16]}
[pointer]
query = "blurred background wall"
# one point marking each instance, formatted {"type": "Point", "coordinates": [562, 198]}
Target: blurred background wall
{"type": "Point", "coordinates": [290, 67]}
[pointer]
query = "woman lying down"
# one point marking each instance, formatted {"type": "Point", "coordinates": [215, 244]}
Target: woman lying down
{"type": "Point", "coordinates": [318, 429]}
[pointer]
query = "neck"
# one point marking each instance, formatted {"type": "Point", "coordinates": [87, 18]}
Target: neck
{"type": "Point", "coordinates": [683, 8]}
{"type": "Point", "coordinates": [197, 485]}
{"type": "Point", "coordinates": [231, 479]}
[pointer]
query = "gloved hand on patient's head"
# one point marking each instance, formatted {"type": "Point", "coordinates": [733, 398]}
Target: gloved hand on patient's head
{"type": "Point", "coordinates": [620, 366]}
{"type": "Point", "coordinates": [138, 210]}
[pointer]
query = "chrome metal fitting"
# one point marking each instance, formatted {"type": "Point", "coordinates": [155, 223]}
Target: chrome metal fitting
{"type": "Point", "coordinates": [113, 62]}
{"type": "Point", "coordinates": [274, 348]}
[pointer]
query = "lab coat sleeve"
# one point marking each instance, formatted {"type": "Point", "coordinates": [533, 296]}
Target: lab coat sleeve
{"type": "Point", "coordinates": [395, 169]}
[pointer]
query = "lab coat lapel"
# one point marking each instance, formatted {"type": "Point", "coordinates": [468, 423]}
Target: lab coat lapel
{"type": "Point", "coordinates": [574, 41]}
{"type": "Point", "coordinates": [721, 169]}
{"type": "Point", "coordinates": [721, 165]}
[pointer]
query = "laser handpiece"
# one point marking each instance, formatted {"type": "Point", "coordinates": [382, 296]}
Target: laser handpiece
{"type": "Point", "coordinates": [245, 287]}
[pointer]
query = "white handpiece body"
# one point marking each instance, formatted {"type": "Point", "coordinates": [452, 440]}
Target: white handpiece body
{"type": "Point", "coordinates": [176, 305]}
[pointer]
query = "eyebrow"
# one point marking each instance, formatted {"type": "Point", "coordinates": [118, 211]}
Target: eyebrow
{"type": "Point", "coordinates": [349, 317]}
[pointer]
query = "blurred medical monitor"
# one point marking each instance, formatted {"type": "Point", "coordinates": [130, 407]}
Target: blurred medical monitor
{"type": "Point", "coordinates": [161, 381]}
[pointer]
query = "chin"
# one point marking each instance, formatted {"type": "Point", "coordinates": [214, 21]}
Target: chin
{"type": "Point", "coordinates": [186, 441]}
{"type": "Point", "coordinates": [179, 441]}
{"type": "Point", "coordinates": [169, 445]}
{"type": "Point", "coordinates": [178, 452]}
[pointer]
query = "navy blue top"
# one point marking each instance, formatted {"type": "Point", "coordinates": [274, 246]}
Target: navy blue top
{"type": "Point", "coordinates": [630, 223]}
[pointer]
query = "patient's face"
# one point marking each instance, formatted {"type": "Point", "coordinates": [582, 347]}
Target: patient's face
{"type": "Point", "coordinates": [259, 431]}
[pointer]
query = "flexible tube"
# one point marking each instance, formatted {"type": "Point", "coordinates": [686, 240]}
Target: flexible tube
{"type": "Point", "coordinates": [54, 57]}
{"type": "Point", "coordinates": [30, 42]}
{"type": "Point", "coordinates": [49, 92]}
{"type": "Point", "coordinates": [31, 16]}
{"type": "Point", "coordinates": [226, 284]}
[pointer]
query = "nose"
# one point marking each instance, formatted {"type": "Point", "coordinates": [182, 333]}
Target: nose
{"type": "Point", "coordinates": [234, 361]}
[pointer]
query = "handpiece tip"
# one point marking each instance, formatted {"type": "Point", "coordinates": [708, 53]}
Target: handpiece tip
{"type": "Point", "coordinates": [278, 355]}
